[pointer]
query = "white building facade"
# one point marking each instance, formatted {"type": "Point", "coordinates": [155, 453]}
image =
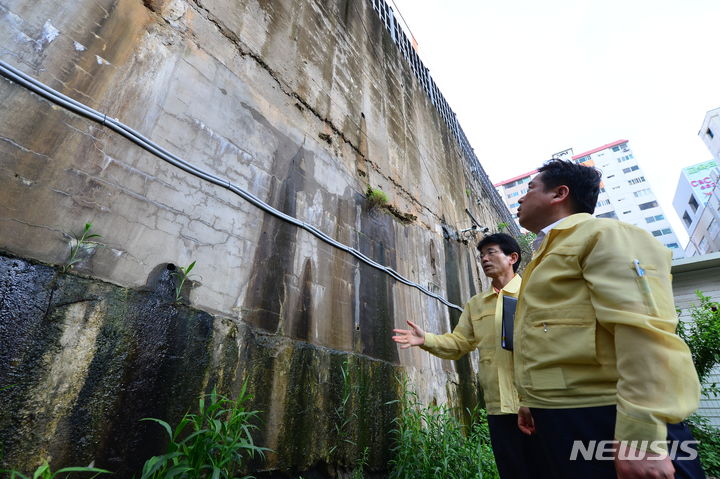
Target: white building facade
{"type": "Point", "coordinates": [710, 132]}
{"type": "Point", "coordinates": [625, 193]}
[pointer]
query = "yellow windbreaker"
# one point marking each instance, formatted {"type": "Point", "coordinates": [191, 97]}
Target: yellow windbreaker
{"type": "Point", "coordinates": [480, 326]}
{"type": "Point", "coordinates": [595, 326]}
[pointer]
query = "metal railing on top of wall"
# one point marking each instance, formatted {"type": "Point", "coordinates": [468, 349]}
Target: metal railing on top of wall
{"type": "Point", "coordinates": [387, 16]}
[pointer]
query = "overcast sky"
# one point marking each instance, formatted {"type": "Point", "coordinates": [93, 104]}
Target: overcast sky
{"type": "Point", "coordinates": [529, 78]}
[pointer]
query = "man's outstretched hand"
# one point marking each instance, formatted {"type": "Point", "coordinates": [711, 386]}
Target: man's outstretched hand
{"type": "Point", "coordinates": [409, 337]}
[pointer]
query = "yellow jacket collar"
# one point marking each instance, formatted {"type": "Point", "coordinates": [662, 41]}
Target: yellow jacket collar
{"type": "Point", "coordinates": [512, 287]}
{"type": "Point", "coordinates": [567, 223]}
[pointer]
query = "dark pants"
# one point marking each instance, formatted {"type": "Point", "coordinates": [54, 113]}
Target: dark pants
{"type": "Point", "coordinates": [558, 429]}
{"type": "Point", "coordinates": [517, 455]}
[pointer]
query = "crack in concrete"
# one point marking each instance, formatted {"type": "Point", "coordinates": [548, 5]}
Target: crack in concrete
{"type": "Point", "coordinates": [22, 148]}
{"type": "Point", "coordinates": [235, 39]}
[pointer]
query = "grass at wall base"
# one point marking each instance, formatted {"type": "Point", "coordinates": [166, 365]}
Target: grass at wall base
{"type": "Point", "coordinates": [432, 443]}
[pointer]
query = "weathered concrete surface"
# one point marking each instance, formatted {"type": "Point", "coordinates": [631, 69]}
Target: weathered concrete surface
{"type": "Point", "coordinates": [304, 104]}
{"type": "Point", "coordinates": [85, 361]}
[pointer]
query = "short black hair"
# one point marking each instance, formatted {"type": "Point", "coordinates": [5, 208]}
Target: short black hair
{"type": "Point", "coordinates": [507, 244]}
{"type": "Point", "coordinates": [583, 182]}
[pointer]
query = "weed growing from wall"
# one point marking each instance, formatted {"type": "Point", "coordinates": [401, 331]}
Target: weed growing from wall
{"type": "Point", "coordinates": [214, 443]}
{"type": "Point", "coordinates": [431, 442]}
{"type": "Point", "coordinates": [80, 244]}
{"type": "Point", "coordinates": [376, 197]}
{"type": "Point", "coordinates": [181, 275]}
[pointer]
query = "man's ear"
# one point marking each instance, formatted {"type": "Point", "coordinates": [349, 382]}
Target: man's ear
{"type": "Point", "coordinates": [561, 194]}
{"type": "Point", "coordinates": [513, 257]}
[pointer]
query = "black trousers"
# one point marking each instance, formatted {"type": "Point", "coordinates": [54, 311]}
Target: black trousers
{"type": "Point", "coordinates": [517, 455]}
{"type": "Point", "coordinates": [558, 429]}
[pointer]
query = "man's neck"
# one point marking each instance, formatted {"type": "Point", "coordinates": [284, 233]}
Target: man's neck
{"type": "Point", "coordinates": [503, 279]}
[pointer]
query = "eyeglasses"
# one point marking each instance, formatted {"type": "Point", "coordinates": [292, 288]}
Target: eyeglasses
{"type": "Point", "coordinates": [489, 252]}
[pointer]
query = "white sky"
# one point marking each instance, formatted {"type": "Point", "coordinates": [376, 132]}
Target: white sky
{"type": "Point", "coordinates": [528, 78]}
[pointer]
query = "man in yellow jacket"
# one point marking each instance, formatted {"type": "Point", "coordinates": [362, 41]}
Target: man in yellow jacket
{"type": "Point", "coordinates": [517, 455]}
{"type": "Point", "coordinates": [596, 354]}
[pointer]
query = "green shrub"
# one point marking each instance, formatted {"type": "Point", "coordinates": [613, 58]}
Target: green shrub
{"type": "Point", "coordinates": [709, 446]}
{"type": "Point", "coordinates": [430, 442]}
{"type": "Point", "coordinates": [214, 443]}
{"type": "Point", "coordinates": [702, 336]}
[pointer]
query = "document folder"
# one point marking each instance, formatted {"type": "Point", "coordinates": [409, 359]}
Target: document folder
{"type": "Point", "coordinates": [508, 319]}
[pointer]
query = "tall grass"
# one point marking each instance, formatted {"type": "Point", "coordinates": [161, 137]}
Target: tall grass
{"type": "Point", "coordinates": [432, 443]}
{"type": "Point", "coordinates": [214, 443]}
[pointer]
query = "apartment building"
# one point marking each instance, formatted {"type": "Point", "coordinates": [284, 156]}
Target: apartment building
{"type": "Point", "coordinates": [625, 193]}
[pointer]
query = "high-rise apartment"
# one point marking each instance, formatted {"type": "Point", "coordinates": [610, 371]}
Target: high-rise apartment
{"type": "Point", "coordinates": [625, 192]}
{"type": "Point", "coordinates": [697, 197]}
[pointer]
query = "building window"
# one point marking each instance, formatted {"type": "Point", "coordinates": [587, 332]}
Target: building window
{"type": "Point", "coordinates": [648, 205]}
{"type": "Point", "coordinates": [693, 204]}
{"type": "Point", "coordinates": [687, 220]}
{"type": "Point", "coordinates": [672, 245]}
{"type": "Point", "coordinates": [710, 133]}
{"type": "Point", "coordinates": [653, 219]}
{"type": "Point", "coordinates": [703, 246]}
{"type": "Point", "coordinates": [713, 227]}
{"type": "Point", "coordinates": [632, 168]}
{"type": "Point", "coordinates": [513, 195]}
{"type": "Point", "coordinates": [637, 180]}
{"type": "Point", "coordinates": [616, 148]}
{"type": "Point", "coordinates": [602, 203]}
{"type": "Point", "coordinates": [657, 233]}
{"type": "Point", "coordinates": [609, 214]}
{"type": "Point", "coordinates": [643, 192]}
{"type": "Point", "coordinates": [666, 231]}
{"type": "Point", "coordinates": [626, 212]}
{"type": "Point", "coordinates": [514, 205]}
{"type": "Point", "coordinates": [625, 158]}
{"type": "Point", "coordinates": [583, 159]}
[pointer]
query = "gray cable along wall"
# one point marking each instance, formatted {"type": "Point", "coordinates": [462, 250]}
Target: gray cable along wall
{"type": "Point", "coordinates": [387, 16]}
{"type": "Point", "coordinates": [16, 76]}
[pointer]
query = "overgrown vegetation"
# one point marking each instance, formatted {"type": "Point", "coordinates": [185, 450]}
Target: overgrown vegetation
{"type": "Point", "coordinates": [376, 197]}
{"type": "Point", "coordinates": [214, 443]}
{"type": "Point", "coordinates": [343, 422]}
{"type": "Point", "coordinates": [702, 336]}
{"type": "Point", "coordinates": [181, 275]}
{"type": "Point", "coordinates": [80, 243]}
{"type": "Point", "coordinates": [432, 443]}
{"type": "Point", "coordinates": [709, 445]}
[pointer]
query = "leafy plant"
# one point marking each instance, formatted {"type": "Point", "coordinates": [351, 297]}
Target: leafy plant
{"type": "Point", "coordinates": [431, 442]}
{"type": "Point", "coordinates": [182, 274]}
{"type": "Point", "coordinates": [502, 226]}
{"type": "Point", "coordinates": [709, 445]}
{"type": "Point", "coordinates": [44, 472]}
{"type": "Point", "coordinates": [702, 336]}
{"type": "Point", "coordinates": [214, 443]}
{"type": "Point", "coordinates": [342, 419]}
{"type": "Point", "coordinates": [376, 197]}
{"type": "Point", "coordinates": [358, 471]}
{"type": "Point", "coordinates": [81, 242]}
